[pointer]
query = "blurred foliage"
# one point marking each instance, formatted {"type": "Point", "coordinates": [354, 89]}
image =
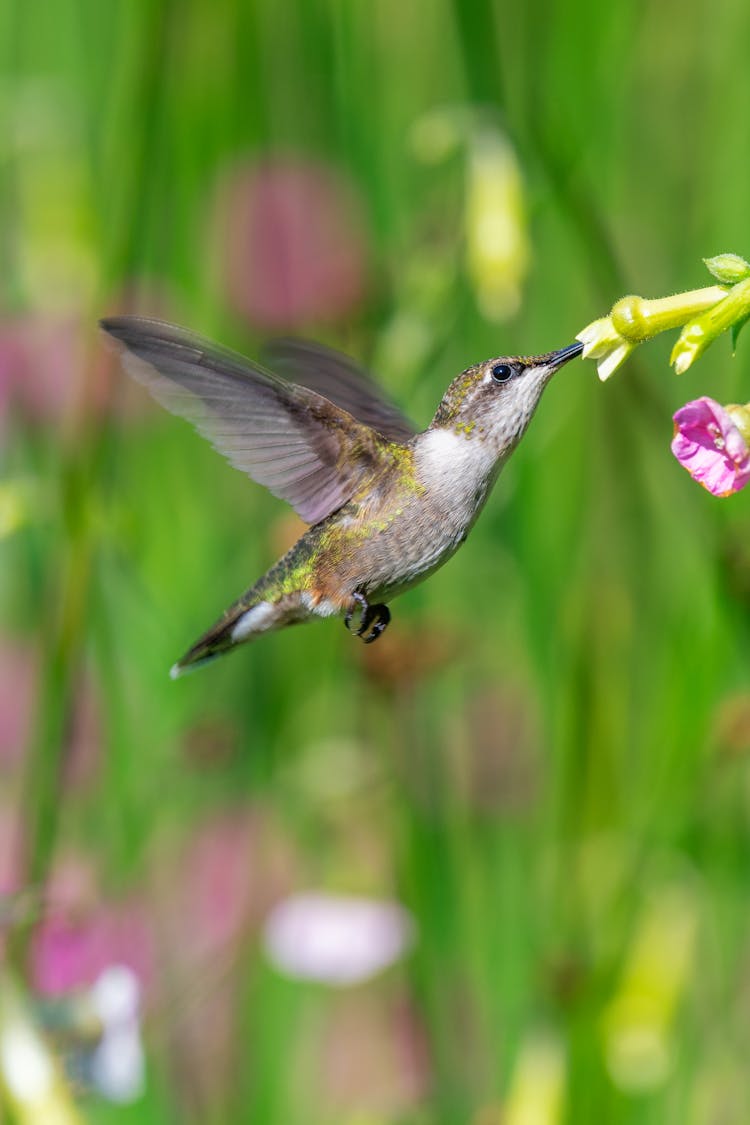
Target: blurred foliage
{"type": "Point", "coordinates": [546, 758]}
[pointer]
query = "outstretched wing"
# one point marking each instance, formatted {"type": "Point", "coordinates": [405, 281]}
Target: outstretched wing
{"type": "Point", "coordinates": [340, 379]}
{"type": "Point", "coordinates": [301, 446]}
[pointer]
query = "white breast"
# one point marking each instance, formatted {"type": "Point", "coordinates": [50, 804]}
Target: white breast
{"type": "Point", "coordinates": [456, 468]}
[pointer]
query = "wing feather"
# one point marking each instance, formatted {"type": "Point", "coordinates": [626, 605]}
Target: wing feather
{"type": "Point", "coordinates": [340, 379]}
{"type": "Point", "coordinates": [304, 448]}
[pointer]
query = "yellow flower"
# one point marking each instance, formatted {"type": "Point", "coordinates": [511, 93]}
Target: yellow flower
{"type": "Point", "coordinates": [602, 342]}
{"type": "Point", "coordinates": [497, 243]}
{"type": "Point", "coordinates": [732, 310]}
{"type": "Point", "coordinates": [633, 320]}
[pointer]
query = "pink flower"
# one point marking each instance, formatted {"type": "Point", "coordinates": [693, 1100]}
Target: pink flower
{"type": "Point", "coordinates": [11, 856]}
{"type": "Point", "coordinates": [710, 445]}
{"type": "Point", "coordinates": [18, 703]}
{"type": "Point", "coordinates": [70, 953]}
{"type": "Point", "coordinates": [292, 240]}
{"type": "Point", "coordinates": [54, 364]}
{"type": "Point", "coordinates": [216, 900]}
{"type": "Point", "coordinates": [81, 933]}
{"type": "Point", "coordinates": [41, 360]}
{"type": "Point", "coordinates": [17, 697]}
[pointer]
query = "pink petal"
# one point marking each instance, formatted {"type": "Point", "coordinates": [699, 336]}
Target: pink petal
{"type": "Point", "coordinates": [708, 444]}
{"type": "Point", "coordinates": [71, 953]}
{"type": "Point", "coordinates": [293, 241]}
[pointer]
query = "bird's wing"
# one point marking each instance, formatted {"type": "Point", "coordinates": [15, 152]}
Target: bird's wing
{"type": "Point", "coordinates": [301, 446]}
{"type": "Point", "coordinates": [340, 379]}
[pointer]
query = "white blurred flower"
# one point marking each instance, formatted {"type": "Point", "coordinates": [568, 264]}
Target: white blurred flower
{"type": "Point", "coordinates": [26, 1063]}
{"type": "Point", "coordinates": [117, 1063]}
{"type": "Point", "coordinates": [101, 1032]}
{"type": "Point", "coordinates": [32, 1084]}
{"type": "Point", "coordinates": [337, 940]}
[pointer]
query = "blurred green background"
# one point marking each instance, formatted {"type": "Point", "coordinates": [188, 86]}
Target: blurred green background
{"type": "Point", "coordinates": [545, 761]}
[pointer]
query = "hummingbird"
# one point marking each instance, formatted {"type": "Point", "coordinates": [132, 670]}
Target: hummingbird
{"type": "Point", "coordinates": [386, 504]}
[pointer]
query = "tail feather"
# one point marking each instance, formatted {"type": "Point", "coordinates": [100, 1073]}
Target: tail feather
{"type": "Point", "coordinates": [240, 623]}
{"type": "Point", "coordinates": [191, 663]}
{"type": "Point", "coordinates": [210, 646]}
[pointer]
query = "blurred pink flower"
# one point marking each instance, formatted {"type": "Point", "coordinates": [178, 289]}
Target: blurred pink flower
{"type": "Point", "coordinates": [217, 898]}
{"type": "Point", "coordinates": [220, 882]}
{"type": "Point", "coordinates": [85, 736]}
{"type": "Point", "coordinates": [212, 893]}
{"type": "Point", "coordinates": [17, 690]}
{"type": "Point", "coordinates": [16, 904]}
{"type": "Point", "coordinates": [41, 359]}
{"type": "Point", "coordinates": [11, 837]}
{"type": "Point", "coordinates": [70, 953]}
{"type": "Point", "coordinates": [336, 939]}
{"type": "Point", "coordinates": [293, 242]}
{"type": "Point", "coordinates": [81, 934]}
{"type": "Point", "coordinates": [371, 1057]}
{"type": "Point", "coordinates": [708, 443]}
{"type": "Point", "coordinates": [52, 364]}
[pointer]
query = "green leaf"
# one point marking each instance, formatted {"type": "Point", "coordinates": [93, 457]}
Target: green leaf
{"type": "Point", "coordinates": [736, 329]}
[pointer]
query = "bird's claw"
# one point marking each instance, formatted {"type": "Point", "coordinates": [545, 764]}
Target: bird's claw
{"type": "Point", "coordinates": [374, 618]}
{"type": "Point", "coordinates": [359, 601]}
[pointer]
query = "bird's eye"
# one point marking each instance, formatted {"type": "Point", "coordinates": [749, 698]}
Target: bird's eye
{"type": "Point", "coordinates": [502, 372]}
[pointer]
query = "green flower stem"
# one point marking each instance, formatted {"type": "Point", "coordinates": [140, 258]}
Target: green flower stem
{"type": "Point", "coordinates": [637, 319]}
{"type": "Point", "coordinates": [703, 330]}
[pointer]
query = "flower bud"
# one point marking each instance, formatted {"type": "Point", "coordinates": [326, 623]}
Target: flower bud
{"type": "Point", "coordinates": [728, 268]}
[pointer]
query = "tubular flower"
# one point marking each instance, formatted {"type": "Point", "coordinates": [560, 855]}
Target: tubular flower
{"type": "Point", "coordinates": [713, 443]}
{"type": "Point", "coordinates": [731, 312]}
{"type": "Point", "coordinates": [639, 319]}
{"type": "Point", "coordinates": [602, 342]}
{"type": "Point", "coordinates": [633, 320]}
{"type": "Point", "coordinates": [705, 314]}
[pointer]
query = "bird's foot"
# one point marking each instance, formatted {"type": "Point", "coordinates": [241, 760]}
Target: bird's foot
{"type": "Point", "coordinates": [373, 618]}
{"type": "Point", "coordinates": [374, 622]}
{"type": "Point", "coordinates": [359, 602]}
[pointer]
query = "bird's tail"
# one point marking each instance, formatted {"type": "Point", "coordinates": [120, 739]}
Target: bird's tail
{"type": "Point", "coordinates": [241, 622]}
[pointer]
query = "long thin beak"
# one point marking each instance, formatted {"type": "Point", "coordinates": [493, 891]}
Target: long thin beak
{"type": "Point", "coordinates": [557, 359]}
